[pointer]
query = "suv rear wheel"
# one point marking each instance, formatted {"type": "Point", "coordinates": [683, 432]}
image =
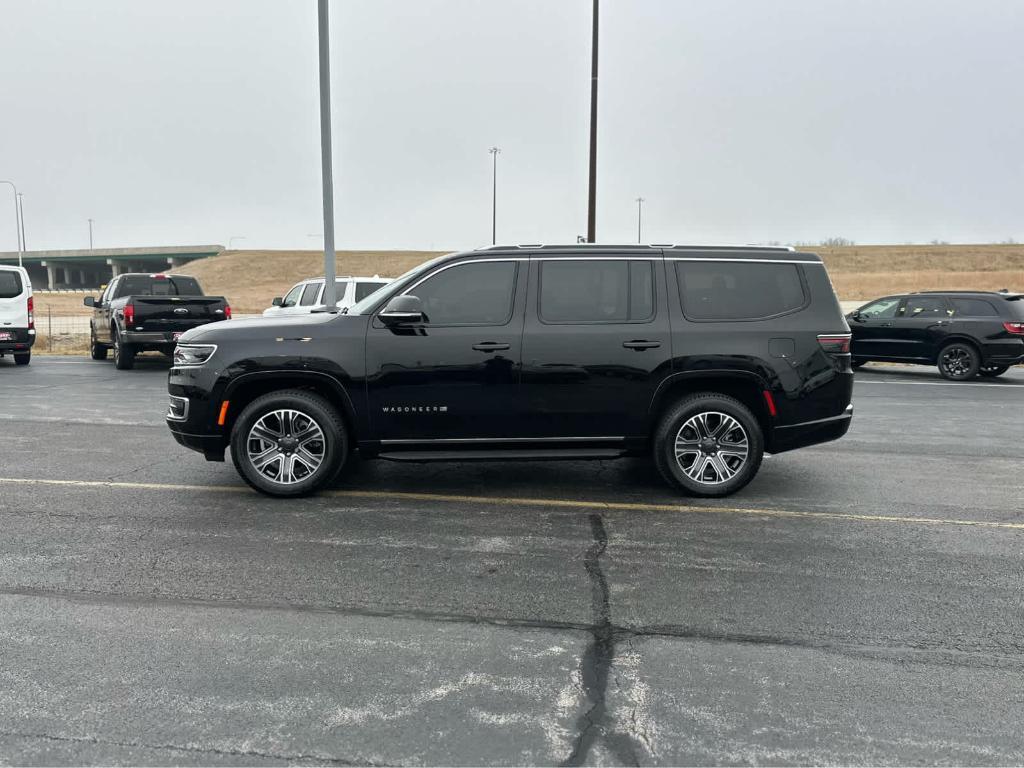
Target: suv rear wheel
{"type": "Point", "coordinates": [289, 443]}
{"type": "Point", "coordinates": [708, 444]}
{"type": "Point", "coordinates": [959, 361]}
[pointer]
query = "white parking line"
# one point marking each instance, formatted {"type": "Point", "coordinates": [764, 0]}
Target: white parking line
{"type": "Point", "coordinates": [903, 382]}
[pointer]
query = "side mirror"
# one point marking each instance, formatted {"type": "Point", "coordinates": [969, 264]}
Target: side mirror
{"type": "Point", "coordinates": [856, 315]}
{"type": "Point", "coordinates": [402, 309]}
{"type": "Point", "coordinates": [277, 302]}
{"type": "Point", "coordinates": [89, 301]}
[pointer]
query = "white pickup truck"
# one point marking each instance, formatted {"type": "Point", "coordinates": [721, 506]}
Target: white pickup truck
{"type": "Point", "coordinates": [306, 296]}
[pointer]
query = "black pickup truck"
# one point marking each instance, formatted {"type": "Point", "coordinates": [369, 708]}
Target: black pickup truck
{"type": "Point", "coordinates": [140, 312]}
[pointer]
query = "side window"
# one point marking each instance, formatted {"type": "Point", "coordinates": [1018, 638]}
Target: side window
{"type": "Point", "coordinates": [292, 297]}
{"type": "Point", "coordinates": [365, 289]}
{"type": "Point", "coordinates": [111, 291]}
{"type": "Point", "coordinates": [309, 294]}
{"type": "Point", "coordinates": [921, 306]}
{"type": "Point", "coordinates": [730, 290]}
{"type": "Point", "coordinates": [881, 308]}
{"type": "Point", "coordinates": [475, 293]}
{"type": "Point", "coordinates": [973, 308]}
{"type": "Point", "coordinates": [596, 291]}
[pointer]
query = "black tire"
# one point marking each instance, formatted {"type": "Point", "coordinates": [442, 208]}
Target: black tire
{"type": "Point", "coordinates": [856, 363]}
{"type": "Point", "coordinates": [124, 354]}
{"type": "Point", "coordinates": [678, 423]}
{"type": "Point", "coordinates": [991, 371]}
{"type": "Point", "coordinates": [332, 446]}
{"type": "Point", "coordinates": [959, 361]}
{"type": "Point", "coordinates": [97, 351]}
{"type": "Point", "coordinates": [22, 358]}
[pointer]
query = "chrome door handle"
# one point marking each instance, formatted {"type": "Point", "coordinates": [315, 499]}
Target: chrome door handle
{"type": "Point", "coordinates": [490, 346]}
{"type": "Point", "coordinates": [640, 344]}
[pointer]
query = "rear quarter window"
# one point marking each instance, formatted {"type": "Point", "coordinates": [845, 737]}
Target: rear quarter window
{"type": "Point", "coordinates": [973, 308]}
{"type": "Point", "coordinates": [731, 290]}
{"type": "Point", "coordinates": [10, 284]}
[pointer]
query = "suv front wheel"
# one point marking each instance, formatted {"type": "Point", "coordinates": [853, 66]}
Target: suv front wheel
{"type": "Point", "coordinates": [708, 444]}
{"type": "Point", "coordinates": [289, 443]}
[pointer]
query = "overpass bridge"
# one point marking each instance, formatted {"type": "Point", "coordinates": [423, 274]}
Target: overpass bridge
{"type": "Point", "coordinates": [91, 268]}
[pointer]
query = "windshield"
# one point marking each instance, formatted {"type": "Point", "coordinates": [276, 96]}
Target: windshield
{"type": "Point", "coordinates": [386, 292]}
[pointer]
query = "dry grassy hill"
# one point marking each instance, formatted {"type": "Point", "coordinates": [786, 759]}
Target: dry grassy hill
{"type": "Point", "coordinates": [250, 279]}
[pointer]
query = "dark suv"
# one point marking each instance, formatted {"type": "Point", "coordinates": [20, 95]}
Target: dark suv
{"type": "Point", "coordinates": [705, 357]}
{"type": "Point", "coordinates": [964, 333]}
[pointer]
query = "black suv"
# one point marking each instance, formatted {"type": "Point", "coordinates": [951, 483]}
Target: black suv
{"type": "Point", "coordinates": [705, 357]}
{"type": "Point", "coordinates": [964, 333]}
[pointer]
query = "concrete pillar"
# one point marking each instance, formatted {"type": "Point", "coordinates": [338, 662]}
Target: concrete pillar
{"type": "Point", "coordinates": [51, 276]}
{"type": "Point", "coordinates": [81, 278]}
{"type": "Point", "coordinates": [115, 267]}
{"type": "Point", "coordinates": [174, 263]}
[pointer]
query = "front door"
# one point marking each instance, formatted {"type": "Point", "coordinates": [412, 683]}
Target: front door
{"type": "Point", "coordinates": [454, 376]}
{"type": "Point", "coordinates": [597, 342]}
{"type": "Point", "coordinates": [872, 328]}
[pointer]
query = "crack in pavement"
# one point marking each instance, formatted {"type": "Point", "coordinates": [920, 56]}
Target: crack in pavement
{"type": "Point", "coordinates": [594, 724]}
{"type": "Point", "coordinates": [320, 759]}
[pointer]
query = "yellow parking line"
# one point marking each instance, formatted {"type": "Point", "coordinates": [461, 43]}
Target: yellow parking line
{"type": "Point", "coordinates": [610, 506]}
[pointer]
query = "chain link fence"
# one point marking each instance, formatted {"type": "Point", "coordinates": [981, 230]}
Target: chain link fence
{"type": "Point", "coordinates": [62, 334]}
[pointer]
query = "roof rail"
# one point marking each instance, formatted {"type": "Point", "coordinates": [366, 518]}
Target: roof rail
{"type": "Point", "coordinates": [677, 246]}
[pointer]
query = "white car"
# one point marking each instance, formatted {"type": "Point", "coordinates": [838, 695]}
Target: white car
{"type": "Point", "coordinates": [306, 296]}
{"type": "Point", "coordinates": [17, 324]}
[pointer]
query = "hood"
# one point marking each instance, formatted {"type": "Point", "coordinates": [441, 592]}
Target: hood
{"type": "Point", "coordinates": [270, 328]}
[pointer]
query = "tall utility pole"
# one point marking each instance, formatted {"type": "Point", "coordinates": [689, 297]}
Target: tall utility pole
{"type": "Point", "coordinates": [17, 217]}
{"type": "Point", "coordinates": [494, 195]}
{"type": "Point", "coordinates": [90, 234]}
{"type": "Point", "coordinates": [592, 196]}
{"type": "Point", "coordinates": [639, 208]}
{"type": "Point", "coordinates": [326, 163]}
{"type": "Point", "coordinates": [21, 212]}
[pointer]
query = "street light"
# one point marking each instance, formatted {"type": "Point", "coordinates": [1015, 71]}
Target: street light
{"type": "Point", "coordinates": [495, 151]}
{"type": "Point", "coordinates": [639, 207]}
{"type": "Point", "coordinates": [90, 234]}
{"type": "Point", "coordinates": [17, 217]}
{"type": "Point", "coordinates": [592, 191]}
{"type": "Point", "coordinates": [326, 162]}
{"type": "Point", "coordinates": [21, 211]}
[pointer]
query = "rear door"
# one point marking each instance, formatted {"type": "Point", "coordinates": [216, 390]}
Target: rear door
{"type": "Point", "coordinates": [595, 346]}
{"type": "Point", "coordinates": [13, 303]}
{"type": "Point", "coordinates": [921, 324]}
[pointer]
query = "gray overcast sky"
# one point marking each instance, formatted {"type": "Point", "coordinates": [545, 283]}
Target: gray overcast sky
{"type": "Point", "coordinates": [738, 120]}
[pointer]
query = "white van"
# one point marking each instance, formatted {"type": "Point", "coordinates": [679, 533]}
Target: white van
{"type": "Point", "coordinates": [17, 324]}
{"type": "Point", "coordinates": [306, 296]}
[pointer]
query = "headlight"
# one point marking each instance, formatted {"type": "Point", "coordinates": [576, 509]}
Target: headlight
{"type": "Point", "coordinates": [193, 354]}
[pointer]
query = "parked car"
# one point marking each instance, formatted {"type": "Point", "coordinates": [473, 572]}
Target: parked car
{"type": "Point", "coordinates": [704, 357]}
{"type": "Point", "coordinates": [306, 296]}
{"type": "Point", "coordinates": [140, 312]}
{"type": "Point", "coordinates": [964, 333]}
{"type": "Point", "coordinates": [17, 321]}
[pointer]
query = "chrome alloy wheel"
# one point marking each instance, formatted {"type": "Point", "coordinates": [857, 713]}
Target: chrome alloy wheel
{"type": "Point", "coordinates": [956, 361]}
{"type": "Point", "coordinates": [285, 446]}
{"type": "Point", "coordinates": [711, 448]}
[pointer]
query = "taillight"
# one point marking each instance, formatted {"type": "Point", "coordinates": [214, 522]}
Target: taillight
{"type": "Point", "coordinates": [227, 311]}
{"type": "Point", "coordinates": [129, 314]}
{"type": "Point", "coordinates": [31, 314]}
{"type": "Point", "coordinates": [835, 343]}
{"type": "Point", "coordinates": [1015, 328]}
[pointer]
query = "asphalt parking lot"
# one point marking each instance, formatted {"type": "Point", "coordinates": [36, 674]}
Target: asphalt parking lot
{"type": "Point", "coordinates": [860, 602]}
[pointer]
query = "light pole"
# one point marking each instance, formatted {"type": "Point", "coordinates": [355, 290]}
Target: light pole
{"type": "Point", "coordinates": [495, 151]}
{"type": "Point", "coordinates": [90, 234]}
{"type": "Point", "coordinates": [233, 238]}
{"type": "Point", "coordinates": [592, 192]}
{"type": "Point", "coordinates": [21, 212]}
{"type": "Point", "coordinates": [639, 209]}
{"type": "Point", "coordinates": [326, 163]}
{"type": "Point", "coordinates": [17, 217]}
